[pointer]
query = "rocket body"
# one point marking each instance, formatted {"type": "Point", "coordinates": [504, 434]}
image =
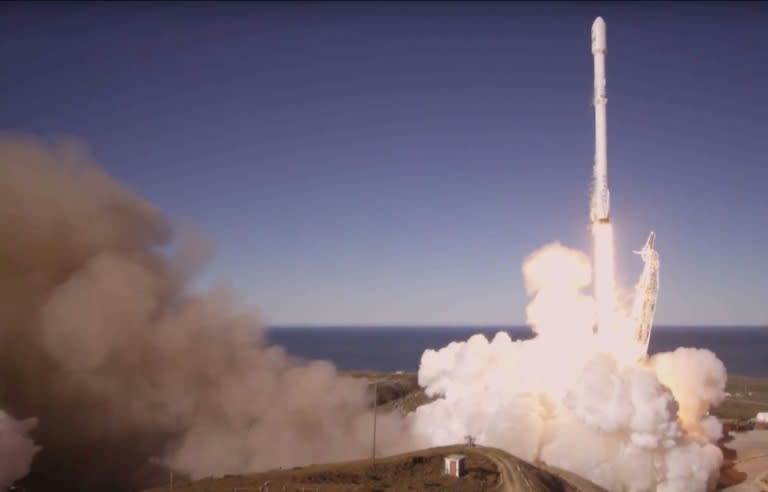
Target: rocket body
{"type": "Point", "coordinates": [601, 201]}
{"type": "Point", "coordinates": [600, 204]}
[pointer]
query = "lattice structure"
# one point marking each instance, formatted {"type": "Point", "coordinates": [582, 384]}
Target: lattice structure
{"type": "Point", "coordinates": [646, 292]}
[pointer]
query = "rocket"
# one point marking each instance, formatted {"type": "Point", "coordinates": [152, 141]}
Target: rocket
{"type": "Point", "coordinates": [647, 288]}
{"type": "Point", "coordinates": [601, 198]}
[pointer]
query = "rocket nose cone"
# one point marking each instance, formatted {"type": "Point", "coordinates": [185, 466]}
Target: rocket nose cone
{"type": "Point", "coordinates": [598, 24]}
{"type": "Point", "coordinates": [599, 42]}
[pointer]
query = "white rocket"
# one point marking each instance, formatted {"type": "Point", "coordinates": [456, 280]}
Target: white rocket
{"type": "Point", "coordinates": [647, 288]}
{"type": "Point", "coordinates": [601, 198]}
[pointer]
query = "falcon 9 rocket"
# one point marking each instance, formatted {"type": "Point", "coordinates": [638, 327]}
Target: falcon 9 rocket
{"type": "Point", "coordinates": [601, 199]}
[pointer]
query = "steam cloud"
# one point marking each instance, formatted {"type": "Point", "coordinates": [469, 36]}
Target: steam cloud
{"type": "Point", "coordinates": [571, 399]}
{"type": "Point", "coordinates": [100, 340]}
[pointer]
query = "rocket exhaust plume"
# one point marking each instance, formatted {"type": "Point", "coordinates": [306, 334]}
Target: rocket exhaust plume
{"type": "Point", "coordinates": [101, 341]}
{"type": "Point", "coordinates": [582, 395]}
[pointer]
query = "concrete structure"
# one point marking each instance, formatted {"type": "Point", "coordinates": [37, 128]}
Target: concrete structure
{"type": "Point", "coordinates": [454, 465]}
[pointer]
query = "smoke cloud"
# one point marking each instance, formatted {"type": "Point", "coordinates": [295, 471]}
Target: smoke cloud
{"type": "Point", "coordinates": [16, 449]}
{"type": "Point", "coordinates": [103, 346]}
{"type": "Point", "coordinates": [102, 342]}
{"type": "Point", "coordinates": [574, 399]}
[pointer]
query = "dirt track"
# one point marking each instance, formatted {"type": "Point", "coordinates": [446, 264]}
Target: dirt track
{"type": "Point", "coordinates": [516, 475]}
{"type": "Point", "coordinates": [511, 477]}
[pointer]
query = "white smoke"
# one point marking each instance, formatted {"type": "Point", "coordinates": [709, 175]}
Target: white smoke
{"type": "Point", "coordinates": [571, 399]}
{"type": "Point", "coordinates": [16, 449]}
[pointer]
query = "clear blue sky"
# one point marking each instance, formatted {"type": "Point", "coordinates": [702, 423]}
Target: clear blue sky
{"type": "Point", "coordinates": [394, 163]}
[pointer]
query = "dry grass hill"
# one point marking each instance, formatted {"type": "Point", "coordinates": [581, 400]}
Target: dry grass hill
{"type": "Point", "coordinates": [487, 469]}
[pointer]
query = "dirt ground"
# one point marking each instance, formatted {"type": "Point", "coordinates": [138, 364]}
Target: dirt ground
{"type": "Point", "coordinates": [745, 466]}
{"type": "Point", "coordinates": [412, 471]}
{"type": "Point", "coordinates": [486, 469]}
{"type": "Point", "coordinates": [747, 397]}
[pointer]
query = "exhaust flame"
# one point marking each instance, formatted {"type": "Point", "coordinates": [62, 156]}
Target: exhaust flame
{"type": "Point", "coordinates": [605, 288]}
{"type": "Point", "coordinates": [615, 327]}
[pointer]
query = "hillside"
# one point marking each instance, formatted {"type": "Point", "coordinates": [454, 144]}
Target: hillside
{"type": "Point", "coordinates": [486, 469]}
{"type": "Point", "coordinates": [747, 396]}
{"type": "Point", "coordinates": [401, 391]}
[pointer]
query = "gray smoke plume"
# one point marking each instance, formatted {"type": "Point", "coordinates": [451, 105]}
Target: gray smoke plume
{"type": "Point", "coordinates": [101, 341]}
{"type": "Point", "coordinates": [16, 449]}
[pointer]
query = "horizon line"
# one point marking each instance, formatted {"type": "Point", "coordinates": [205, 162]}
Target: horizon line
{"type": "Point", "coordinates": [478, 326]}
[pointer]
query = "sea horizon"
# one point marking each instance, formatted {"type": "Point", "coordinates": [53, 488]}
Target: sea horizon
{"type": "Point", "coordinates": [400, 347]}
{"type": "Point", "coordinates": [345, 326]}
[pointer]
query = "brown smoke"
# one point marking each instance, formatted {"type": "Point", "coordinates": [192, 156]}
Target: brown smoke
{"type": "Point", "coordinates": [100, 341]}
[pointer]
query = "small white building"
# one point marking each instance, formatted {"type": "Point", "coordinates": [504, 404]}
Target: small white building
{"type": "Point", "coordinates": [454, 465]}
{"type": "Point", "coordinates": [762, 418]}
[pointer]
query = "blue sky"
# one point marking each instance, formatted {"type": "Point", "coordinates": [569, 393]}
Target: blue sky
{"type": "Point", "coordinates": [394, 163]}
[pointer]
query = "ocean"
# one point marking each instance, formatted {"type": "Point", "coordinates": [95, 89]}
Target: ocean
{"type": "Point", "coordinates": [743, 350]}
